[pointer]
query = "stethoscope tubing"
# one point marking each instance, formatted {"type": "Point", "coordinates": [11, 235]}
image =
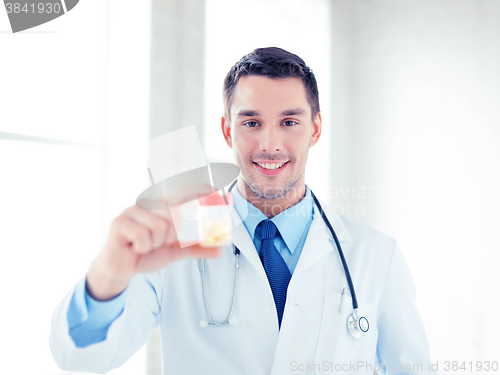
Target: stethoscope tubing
{"type": "Point", "coordinates": [341, 253]}
{"type": "Point", "coordinates": [235, 289]}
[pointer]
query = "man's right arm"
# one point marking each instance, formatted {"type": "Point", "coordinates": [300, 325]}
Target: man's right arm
{"type": "Point", "coordinates": [115, 343]}
{"type": "Point", "coordinates": [140, 243]}
{"type": "Point", "coordinates": [89, 319]}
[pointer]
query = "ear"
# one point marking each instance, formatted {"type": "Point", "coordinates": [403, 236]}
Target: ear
{"type": "Point", "coordinates": [225, 125]}
{"type": "Point", "coordinates": [316, 130]}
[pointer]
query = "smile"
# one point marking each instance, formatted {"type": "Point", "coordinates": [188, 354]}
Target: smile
{"type": "Point", "coordinates": [271, 169]}
{"type": "Point", "coordinates": [271, 166]}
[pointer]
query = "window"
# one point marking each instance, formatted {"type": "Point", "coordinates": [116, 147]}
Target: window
{"type": "Point", "coordinates": [73, 138]}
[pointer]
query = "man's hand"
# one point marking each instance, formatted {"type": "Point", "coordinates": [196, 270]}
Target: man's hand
{"type": "Point", "coordinates": [141, 240]}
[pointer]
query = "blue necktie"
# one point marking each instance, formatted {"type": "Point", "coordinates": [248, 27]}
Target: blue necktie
{"type": "Point", "coordinates": [276, 269]}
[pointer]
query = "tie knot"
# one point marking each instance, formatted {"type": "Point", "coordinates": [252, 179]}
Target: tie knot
{"type": "Point", "coordinates": [268, 229]}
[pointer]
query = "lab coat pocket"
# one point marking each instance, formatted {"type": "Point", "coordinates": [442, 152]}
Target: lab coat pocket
{"type": "Point", "coordinates": [337, 350]}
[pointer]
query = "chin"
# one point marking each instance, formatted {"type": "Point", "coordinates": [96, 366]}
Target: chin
{"type": "Point", "coordinates": [268, 191]}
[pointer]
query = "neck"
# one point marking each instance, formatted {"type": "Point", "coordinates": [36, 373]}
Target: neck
{"type": "Point", "coordinates": [273, 207]}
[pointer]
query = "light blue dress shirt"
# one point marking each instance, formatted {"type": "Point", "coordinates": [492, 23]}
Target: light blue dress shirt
{"type": "Point", "coordinates": [293, 225]}
{"type": "Point", "coordinates": [89, 320]}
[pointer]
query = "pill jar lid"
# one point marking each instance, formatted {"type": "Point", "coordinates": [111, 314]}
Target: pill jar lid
{"type": "Point", "coordinates": [215, 199]}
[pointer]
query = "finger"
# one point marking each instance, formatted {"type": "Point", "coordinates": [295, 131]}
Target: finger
{"type": "Point", "coordinates": [200, 251]}
{"type": "Point", "coordinates": [176, 197]}
{"type": "Point", "coordinates": [134, 234]}
{"type": "Point", "coordinates": [162, 213]}
{"type": "Point", "coordinates": [167, 254]}
{"type": "Point", "coordinates": [158, 226]}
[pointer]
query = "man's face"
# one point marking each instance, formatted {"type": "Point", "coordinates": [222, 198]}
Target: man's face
{"type": "Point", "coordinates": [270, 132]}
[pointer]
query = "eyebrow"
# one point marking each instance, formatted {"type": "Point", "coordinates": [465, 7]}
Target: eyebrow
{"type": "Point", "coordinates": [293, 112]}
{"type": "Point", "coordinates": [288, 112]}
{"type": "Point", "coordinates": [247, 113]}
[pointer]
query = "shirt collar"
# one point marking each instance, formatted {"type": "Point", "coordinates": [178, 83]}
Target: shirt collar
{"type": "Point", "coordinates": [291, 223]}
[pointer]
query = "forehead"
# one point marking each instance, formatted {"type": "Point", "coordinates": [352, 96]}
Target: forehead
{"type": "Point", "coordinates": [269, 95]}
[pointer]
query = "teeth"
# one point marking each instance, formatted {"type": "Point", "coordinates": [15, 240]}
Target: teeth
{"type": "Point", "coordinates": [271, 166]}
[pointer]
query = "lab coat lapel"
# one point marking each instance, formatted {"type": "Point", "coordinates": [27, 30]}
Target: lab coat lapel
{"type": "Point", "coordinates": [308, 305]}
{"type": "Point", "coordinates": [242, 241]}
{"type": "Point", "coordinates": [320, 242]}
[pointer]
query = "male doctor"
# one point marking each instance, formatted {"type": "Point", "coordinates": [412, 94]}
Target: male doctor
{"type": "Point", "coordinates": [293, 298]}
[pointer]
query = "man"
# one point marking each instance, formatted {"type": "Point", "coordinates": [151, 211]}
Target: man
{"type": "Point", "coordinates": [293, 296]}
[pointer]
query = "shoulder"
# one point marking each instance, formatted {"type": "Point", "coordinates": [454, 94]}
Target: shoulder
{"type": "Point", "coordinates": [369, 253]}
{"type": "Point", "coordinates": [357, 230]}
{"type": "Point", "coordinates": [361, 238]}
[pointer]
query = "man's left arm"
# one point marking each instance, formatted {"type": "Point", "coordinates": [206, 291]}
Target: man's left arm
{"type": "Point", "coordinates": [402, 345]}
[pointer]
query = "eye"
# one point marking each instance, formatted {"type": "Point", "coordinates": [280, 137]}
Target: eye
{"type": "Point", "coordinates": [251, 124]}
{"type": "Point", "coordinates": [289, 123]}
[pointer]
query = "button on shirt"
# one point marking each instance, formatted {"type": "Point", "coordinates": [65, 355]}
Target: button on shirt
{"type": "Point", "coordinates": [89, 320]}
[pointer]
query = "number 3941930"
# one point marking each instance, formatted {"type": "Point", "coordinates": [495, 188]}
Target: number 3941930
{"type": "Point", "coordinates": [32, 8]}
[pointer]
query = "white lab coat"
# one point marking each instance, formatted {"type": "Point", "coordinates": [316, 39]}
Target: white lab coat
{"type": "Point", "coordinates": [313, 336]}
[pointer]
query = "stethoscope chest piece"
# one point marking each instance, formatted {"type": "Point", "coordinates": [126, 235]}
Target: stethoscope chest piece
{"type": "Point", "coordinates": [357, 325]}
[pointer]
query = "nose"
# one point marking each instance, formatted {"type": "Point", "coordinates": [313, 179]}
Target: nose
{"type": "Point", "coordinates": [271, 139]}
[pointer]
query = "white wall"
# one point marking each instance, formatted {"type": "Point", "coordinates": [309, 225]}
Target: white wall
{"type": "Point", "coordinates": [416, 87]}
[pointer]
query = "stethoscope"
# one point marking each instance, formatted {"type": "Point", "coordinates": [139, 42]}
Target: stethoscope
{"type": "Point", "coordinates": [357, 325]}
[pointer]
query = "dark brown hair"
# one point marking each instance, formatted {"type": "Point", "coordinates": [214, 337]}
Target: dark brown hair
{"type": "Point", "coordinates": [272, 62]}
